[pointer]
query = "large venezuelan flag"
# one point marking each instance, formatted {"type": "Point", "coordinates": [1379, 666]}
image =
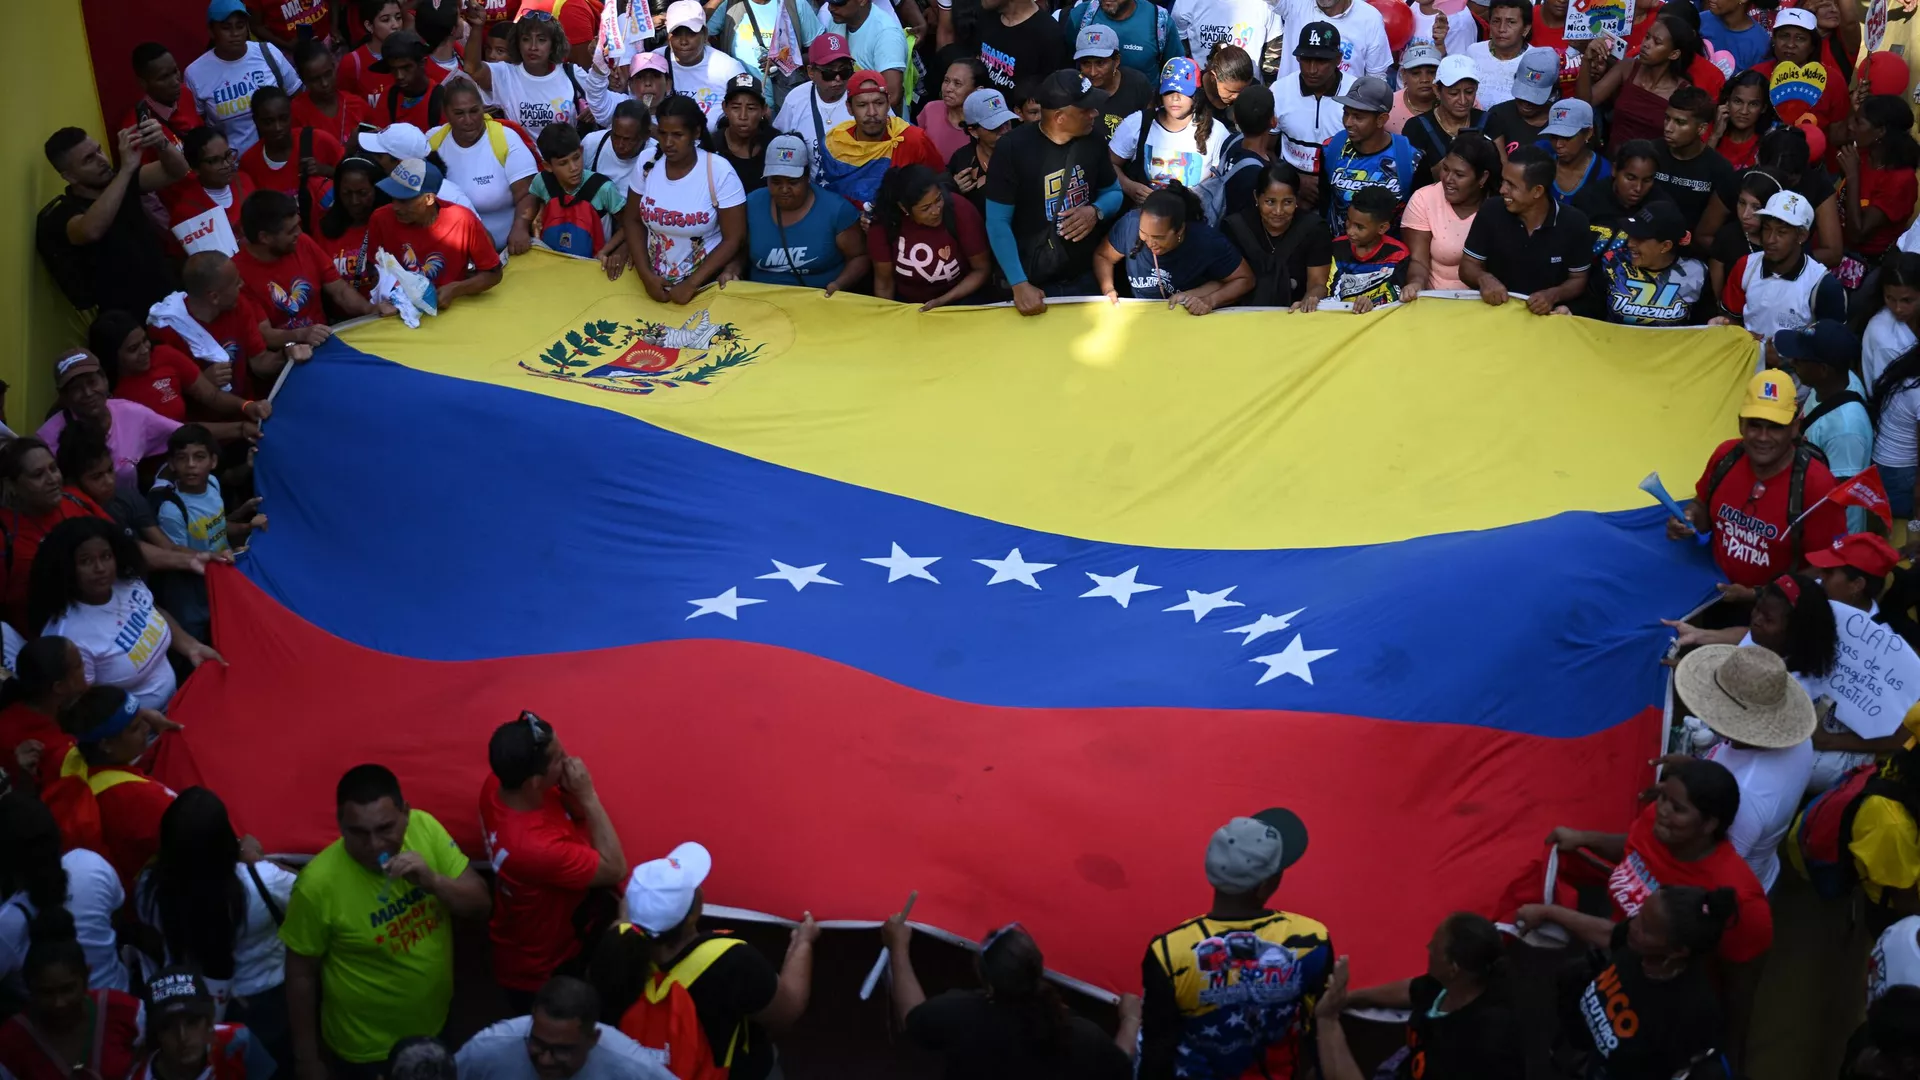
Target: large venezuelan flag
{"type": "Point", "coordinates": [1010, 611]}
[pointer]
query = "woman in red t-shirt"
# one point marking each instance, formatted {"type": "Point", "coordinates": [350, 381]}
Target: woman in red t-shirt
{"type": "Point", "coordinates": [67, 1030]}
{"type": "Point", "coordinates": [928, 248]}
{"type": "Point", "coordinates": [320, 104]}
{"type": "Point", "coordinates": [48, 676]}
{"type": "Point", "coordinates": [160, 377]}
{"type": "Point", "coordinates": [340, 221]}
{"type": "Point", "coordinates": [1878, 167]}
{"type": "Point", "coordinates": [1745, 115]}
{"type": "Point", "coordinates": [216, 182]}
{"type": "Point", "coordinates": [1679, 839]}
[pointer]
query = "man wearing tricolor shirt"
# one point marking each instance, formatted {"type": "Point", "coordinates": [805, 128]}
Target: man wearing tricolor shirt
{"type": "Point", "coordinates": [1231, 993]}
{"type": "Point", "coordinates": [1761, 494]}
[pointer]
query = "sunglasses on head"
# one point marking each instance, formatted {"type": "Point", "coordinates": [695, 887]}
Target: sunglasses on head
{"type": "Point", "coordinates": [536, 16]}
{"type": "Point", "coordinates": [542, 731]}
{"type": "Point", "coordinates": [994, 938]}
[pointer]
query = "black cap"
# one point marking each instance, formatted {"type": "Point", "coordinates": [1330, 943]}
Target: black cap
{"type": "Point", "coordinates": [1826, 341]}
{"type": "Point", "coordinates": [176, 991]}
{"type": "Point", "coordinates": [743, 83]}
{"type": "Point", "coordinates": [1657, 219]}
{"type": "Point", "coordinates": [1293, 833]}
{"type": "Point", "coordinates": [1318, 41]}
{"type": "Point", "coordinates": [1067, 88]}
{"type": "Point", "coordinates": [400, 45]}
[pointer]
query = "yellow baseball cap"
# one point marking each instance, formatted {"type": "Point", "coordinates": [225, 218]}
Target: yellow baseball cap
{"type": "Point", "coordinates": [1770, 397]}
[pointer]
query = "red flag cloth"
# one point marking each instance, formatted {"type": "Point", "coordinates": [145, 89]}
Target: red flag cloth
{"type": "Point", "coordinates": [1865, 490]}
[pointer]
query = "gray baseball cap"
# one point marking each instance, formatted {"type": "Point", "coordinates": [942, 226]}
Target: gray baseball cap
{"type": "Point", "coordinates": [1096, 40]}
{"type": "Point", "coordinates": [1569, 117]}
{"type": "Point", "coordinates": [987, 109]}
{"type": "Point", "coordinates": [1534, 81]}
{"type": "Point", "coordinates": [1248, 850]}
{"type": "Point", "coordinates": [1419, 55]}
{"type": "Point", "coordinates": [1368, 94]}
{"type": "Point", "coordinates": [787, 156]}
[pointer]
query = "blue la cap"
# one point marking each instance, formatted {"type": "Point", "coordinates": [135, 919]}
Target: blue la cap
{"type": "Point", "coordinates": [222, 10]}
{"type": "Point", "coordinates": [1180, 76]}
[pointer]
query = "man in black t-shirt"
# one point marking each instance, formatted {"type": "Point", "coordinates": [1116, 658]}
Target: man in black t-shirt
{"type": "Point", "coordinates": [1049, 187]}
{"type": "Point", "coordinates": [1096, 50]}
{"type": "Point", "coordinates": [1019, 41]}
{"type": "Point", "coordinates": [1526, 242]}
{"type": "Point", "coordinates": [735, 991]}
{"type": "Point", "coordinates": [1688, 169]}
{"type": "Point", "coordinates": [96, 236]}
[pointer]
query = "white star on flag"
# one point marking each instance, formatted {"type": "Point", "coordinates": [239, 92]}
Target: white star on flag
{"type": "Point", "coordinates": [1015, 568]}
{"type": "Point", "coordinates": [1264, 625]}
{"type": "Point", "coordinates": [1293, 660]}
{"type": "Point", "coordinates": [1120, 587]}
{"type": "Point", "coordinates": [797, 576]}
{"type": "Point", "coordinates": [902, 565]}
{"type": "Point", "coordinates": [1202, 604]}
{"type": "Point", "coordinates": [727, 603]}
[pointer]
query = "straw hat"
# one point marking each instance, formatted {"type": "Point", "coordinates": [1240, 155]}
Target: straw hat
{"type": "Point", "coordinates": [1746, 694]}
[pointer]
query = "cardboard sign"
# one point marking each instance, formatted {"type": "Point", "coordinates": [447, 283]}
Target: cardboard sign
{"type": "Point", "coordinates": [1877, 678]}
{"type": "Point", "coordinates": [1589, 19]}
{"type": "Point", "coordinates": [207, 231]}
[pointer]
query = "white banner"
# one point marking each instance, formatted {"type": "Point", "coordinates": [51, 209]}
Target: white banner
{"type": "Point", "coordinates": [1877, 678]}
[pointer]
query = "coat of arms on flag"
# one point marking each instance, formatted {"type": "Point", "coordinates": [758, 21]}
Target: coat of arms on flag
{"type": "Point", "coordinates": [642, 357]}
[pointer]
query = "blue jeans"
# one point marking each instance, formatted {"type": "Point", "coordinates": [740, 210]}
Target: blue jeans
{"type": "Point", "coordinates": [1899, 481]}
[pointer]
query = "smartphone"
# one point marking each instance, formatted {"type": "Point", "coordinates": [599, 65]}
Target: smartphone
{"type": "Point", "coordinates": [142, 111]}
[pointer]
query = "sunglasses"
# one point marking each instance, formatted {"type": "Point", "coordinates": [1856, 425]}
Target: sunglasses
{"type": "Point", "coordinates": [542, 731]}
{"type": "Point", "coordinates": [536, 16]}
{"type": "Point", "coordinates": [837, 72]}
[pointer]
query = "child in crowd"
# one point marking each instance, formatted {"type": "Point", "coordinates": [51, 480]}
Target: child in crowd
{"type": "Point", "coordinates": [191, 511]}
{"type": "Point", "coordinates": [578, 209]}
{"type": "Point", "coordinates": [497, 34]}
{"type": "Point", "coordinates": [1369, 266]}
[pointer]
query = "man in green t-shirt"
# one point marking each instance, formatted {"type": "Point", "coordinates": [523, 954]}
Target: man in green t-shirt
{"type": "Point", "coordinates": [368, 931]}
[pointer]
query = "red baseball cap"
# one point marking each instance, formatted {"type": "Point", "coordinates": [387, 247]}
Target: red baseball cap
{"type": "Point", "coordinates": [865, 82]}
{"type": "Point", "coordinates": [1865, 552]}
{"type": "Point", "coordinates": [826, 49]}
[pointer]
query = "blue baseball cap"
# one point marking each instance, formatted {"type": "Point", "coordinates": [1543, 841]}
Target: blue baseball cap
{"type": "Point", "coordinates": [1827, 341]}
{"type": "Point", "coordinates": [222, 10]}
{"type": "Point", "coordinates": [1180, 76]}
{"type": "Point", "coordinates": [411, 179]}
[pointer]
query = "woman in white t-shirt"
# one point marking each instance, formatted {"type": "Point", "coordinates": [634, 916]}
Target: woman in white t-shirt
{"type": "Point", "coordinates": [1893, 387]}
{"type": "Point", "coordinates": [85, 586]}
{"type": "Point", "coordinates": [1891, 329]}
{"type": "Point", "coordinates": [34, 876]}
{"type": "Point", "coordinates": [1509, 26]}
{"type": "Point", "coordinates": [690, 206]}
{"type": "Point", "coordinates": [494, 168]}
{"type": "Point", "coordinates": [535, 85]}
{"type": "Point", "coordinates": [218, 905]}
{"type": "Point", "coordinates": [1181, 141]}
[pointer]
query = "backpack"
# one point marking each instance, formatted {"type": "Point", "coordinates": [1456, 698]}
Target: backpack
{"type": "Point", "coordinates": [1844, 397]}
{"type": "Point", "coordinates": [70, 264]}
{"type": "Point", "coordinates": [434, 98]}
{"type": "Point", "coordinates": [1213, 189]}
{"type": "Point", "coordinates": [571, 224]}
{"type": "Point", "coordinates": [496, 138]}
{"type": "Point", "coordinates": [664, 1020]}
{"type": "Point", "coordinates": [161, 494]}
{"type": "Point", "coordinates": [1804, 455]}
{"type": "Point", "coordinates": [1817, 842]}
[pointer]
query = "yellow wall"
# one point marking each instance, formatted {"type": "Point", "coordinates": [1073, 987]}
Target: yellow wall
{"type": "Point", "coordinates": [48, 84]}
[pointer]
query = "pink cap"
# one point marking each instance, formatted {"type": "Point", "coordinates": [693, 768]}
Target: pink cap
{"type": "Point", "coordinates": [827, 48]}
{"type": "Point", "coordinates": [649, 61]}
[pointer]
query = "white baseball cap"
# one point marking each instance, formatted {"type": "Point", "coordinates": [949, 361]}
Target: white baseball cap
{"type": "Point", "coordinates": [400, 140]}
{"type": "Point", "coordinates": [1800, 17]}
{"type": "Point", "coordinates": [686, 15]}
{"type": "Point", "coordinates": [660, 893]}
{"type": "Point", "coordinates": [1790, 207]}
{"type": "Point", "coordinates": [1455, 69]}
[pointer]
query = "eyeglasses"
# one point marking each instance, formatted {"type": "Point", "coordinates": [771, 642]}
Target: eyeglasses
{"type": "Point", "coordinates": [837, 72]}
{"type": "Point", "coordinates": [227, 158]}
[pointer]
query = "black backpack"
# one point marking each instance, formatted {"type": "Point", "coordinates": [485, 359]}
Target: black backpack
{"type": "Point", "coordinates": [1804, 455]}
{"type": "Point", "coordinates": [434, 98]}
{"type": "Point", "coordinates": [70, 264]}
{"type": "Point", "coordinates": [1844, 397]}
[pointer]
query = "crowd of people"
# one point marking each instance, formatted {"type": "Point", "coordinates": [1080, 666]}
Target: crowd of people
{"type": "Point", "coordinates": [1204, 154]}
